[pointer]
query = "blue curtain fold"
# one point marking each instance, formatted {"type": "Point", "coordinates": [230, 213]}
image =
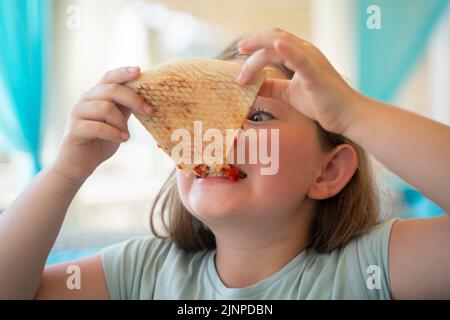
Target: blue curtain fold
{"type": "Point", "coordinates": [387, 56]}
{"type": "Point", "coordinates": [23, 33]}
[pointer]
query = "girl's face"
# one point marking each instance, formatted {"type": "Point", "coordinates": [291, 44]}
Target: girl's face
{"type": "Point", "coordinates": [260, 197]}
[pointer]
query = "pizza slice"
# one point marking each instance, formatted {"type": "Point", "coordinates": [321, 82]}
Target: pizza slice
{"type": "Point", "coordinates": [184, 92]}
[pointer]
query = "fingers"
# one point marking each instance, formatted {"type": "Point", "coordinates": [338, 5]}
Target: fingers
{"type": "Point", "coordinates": [89, 130]}
{"type": "Point", "coordinates": [265, 40]}
{"type": "Point", "coordinates": [296, 58]}
{"type": "Point", "coordinates": [256, 62]}
{"type": "Point", "coordinates": [275, 89]}
{"type": "Point", "coordinates": [103, 111]}
{"type": "Point", "coordinates": [126, 112]}
{"type": "Point", "coordinates": [111, 82]}
{"type": "Point", "coordinates": [275, 47]}
{"type": "Point", "coordinates": [120, 75]}
{"type": "Point", "coordinates": [119, 94]}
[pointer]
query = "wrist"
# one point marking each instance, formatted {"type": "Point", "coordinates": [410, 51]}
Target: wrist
{"type": "Point", "coordinates": [364, 119]}
{"type": "Point", "coordinates": [355, 113]}
{"type": "Point", "coordinates": [70, 180]}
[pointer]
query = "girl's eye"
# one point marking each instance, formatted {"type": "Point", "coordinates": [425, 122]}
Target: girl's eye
{"type": "Point", "coordinates": [259, 115]}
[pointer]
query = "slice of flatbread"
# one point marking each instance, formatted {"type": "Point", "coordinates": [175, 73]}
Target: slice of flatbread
{"type": "Point", "coordinates": [184, 91]}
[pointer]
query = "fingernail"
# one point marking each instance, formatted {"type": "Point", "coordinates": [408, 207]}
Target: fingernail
{"type": "Point", "coordinates": [124, 136]}
{"type": "Point", "coordinates": [147, 109]}
{"type": "Point", "coordinates": [133, 69]}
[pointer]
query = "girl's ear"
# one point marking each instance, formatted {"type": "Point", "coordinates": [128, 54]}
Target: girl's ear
{"type": "Point", "coordinates": [338, 168]}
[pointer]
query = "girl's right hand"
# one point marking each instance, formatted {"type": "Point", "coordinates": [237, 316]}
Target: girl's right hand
{"type": "Point", "coordinates": [316, 89]}
{"type": "Point", "coordinates": [97, 124]}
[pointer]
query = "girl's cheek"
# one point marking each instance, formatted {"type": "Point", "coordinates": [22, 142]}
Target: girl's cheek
{"type": "Point", "coordinates": [184, 184]}
{"type": "Point", "coordinates": [296, 153]}
{"type": "Point", "coordinates": [297, 156]}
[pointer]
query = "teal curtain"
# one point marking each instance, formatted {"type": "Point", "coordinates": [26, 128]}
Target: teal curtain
{"type": "Point", "coordinates": [23, 31]}
{"type": "Point", "coordinates": [386, 57]}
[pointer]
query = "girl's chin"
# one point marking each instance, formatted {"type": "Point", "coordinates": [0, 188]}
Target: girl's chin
{"type": "Point", "coordinates": [217, 207]}
{"type": "Point", "coordinates": [219, 198]}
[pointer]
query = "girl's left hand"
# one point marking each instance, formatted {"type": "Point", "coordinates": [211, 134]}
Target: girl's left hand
{"type": "Point", "coordinates": [316, 89]}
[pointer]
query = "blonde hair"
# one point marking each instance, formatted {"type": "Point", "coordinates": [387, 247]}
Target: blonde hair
{"type": "Point", "coordinates": [337, 220]}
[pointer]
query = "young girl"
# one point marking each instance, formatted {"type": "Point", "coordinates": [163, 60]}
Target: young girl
{"type": "Point", "coordinates": [311, 231]}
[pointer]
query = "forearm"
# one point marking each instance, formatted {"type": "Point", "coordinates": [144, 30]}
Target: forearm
{"type": "Point", "coordinates": [28, 230]}
{"type": "Point", "coordinates": [415, 148]}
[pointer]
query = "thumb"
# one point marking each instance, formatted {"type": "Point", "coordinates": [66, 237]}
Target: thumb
{"type": "Point", "coordinates": [275, 89]}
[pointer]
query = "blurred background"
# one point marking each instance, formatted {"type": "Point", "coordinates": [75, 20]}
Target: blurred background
{"type": "Point", "coordinates": [53, 51]}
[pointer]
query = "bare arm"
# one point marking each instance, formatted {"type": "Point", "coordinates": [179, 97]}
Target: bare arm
{"type": "Point", "coordinates": [58, 281]}
{"type": "Point", "coordinates": [415, 148]}
{"type": "Point", "coordinates": [29, 227]}
{"type": "Point", "coordinates": [419, 259]}
{"type": "Point", "coordinates": [27, 238]}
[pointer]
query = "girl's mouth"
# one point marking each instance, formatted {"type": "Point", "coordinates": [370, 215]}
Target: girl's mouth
{"type": "Point", "coordinates": [228, 171]}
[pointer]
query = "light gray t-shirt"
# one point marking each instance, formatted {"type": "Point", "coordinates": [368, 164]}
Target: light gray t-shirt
{"type": "Point", "coordinates": [151, 268]}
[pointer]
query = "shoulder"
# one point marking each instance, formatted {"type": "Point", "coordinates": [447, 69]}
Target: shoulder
{"type": "Point", "coordinates": [376, 240]}
{"type": "Point", "coordinates": [357, 270]}
{"type": "Point", "coordinates": [140, 248]}
{"type": "Point", "coordinates": [136, 268]}
{"type": "Point", "coordinates": [132, 265]}
{"type": "Point", "coordinates": [367, 257]}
